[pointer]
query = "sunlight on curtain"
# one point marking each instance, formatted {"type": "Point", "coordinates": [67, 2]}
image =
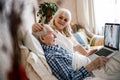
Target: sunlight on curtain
{"type": "Point", "coordinates": [106, 11]}
{"type": "Point", "coordinates": [85, 14]}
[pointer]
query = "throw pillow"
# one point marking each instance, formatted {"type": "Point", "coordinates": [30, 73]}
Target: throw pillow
{"type": "Point", "coordinates": [32, 44]}
{"type": "Point", "coordinates": [77, 35]}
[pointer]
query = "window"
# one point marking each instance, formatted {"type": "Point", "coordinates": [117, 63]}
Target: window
{"type": "Point", "coordinates": [106, 11]}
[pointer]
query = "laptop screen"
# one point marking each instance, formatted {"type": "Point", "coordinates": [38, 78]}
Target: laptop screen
{"type": "Point", "coordinates": [111, 35]}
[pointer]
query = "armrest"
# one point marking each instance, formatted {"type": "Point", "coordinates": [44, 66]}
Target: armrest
{"type": "Point", "coordinates": [97, 40]}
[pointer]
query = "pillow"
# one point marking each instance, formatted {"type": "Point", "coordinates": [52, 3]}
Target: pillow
{"type": "Point", "coordinates": [32, 44]}
{"type": "Point", "coordinates": [77, 35]}
{"type": "Point", "coordinates": [79, 39]}
{"type": "Point", "coordinates": [83, 35]}
{"type": "Point", "coordinates": [36, 61]}
{"type": "Point", "coordinates": [40, 70]}
{"type": "Point", "coordinates": [24, 54]}
{"type": "Point", "coordinates": [97, 40]}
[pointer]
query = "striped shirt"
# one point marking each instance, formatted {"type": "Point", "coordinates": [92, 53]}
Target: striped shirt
{"type": "Point", "coordinates": [60, 62]}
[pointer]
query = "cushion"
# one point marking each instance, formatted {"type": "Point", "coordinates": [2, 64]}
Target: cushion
{"type": "Point", "coordinates": [39, 67]}
{"type": "Point", "coordinates": [80, 39]}
{"type": "Point", "coordinates": [97, 40]}
{"type": "Point", "coordinates": [24, 54]}
{"type": "Point", "coordinates": [83, 35]}
{"type": "Point", "coordinates": [32, 44]}
{"type": "Point", "coordinates": [31, 74]}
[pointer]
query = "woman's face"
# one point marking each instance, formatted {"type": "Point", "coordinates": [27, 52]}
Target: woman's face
{"type": "Point", "coordinates": [61, 21]}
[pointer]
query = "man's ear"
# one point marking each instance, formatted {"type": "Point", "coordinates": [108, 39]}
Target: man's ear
{"type": "Point", "coordinates": [42, 39]}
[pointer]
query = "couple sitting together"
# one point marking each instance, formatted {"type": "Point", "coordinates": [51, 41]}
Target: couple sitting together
{"type": "Point", "coordinates": [66, 57]}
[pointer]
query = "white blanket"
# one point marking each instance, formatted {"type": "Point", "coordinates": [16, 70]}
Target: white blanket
{"type": "Point", "coordinates": [109, 72]}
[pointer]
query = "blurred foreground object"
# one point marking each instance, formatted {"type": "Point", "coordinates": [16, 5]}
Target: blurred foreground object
{"type": "Point", "coordinates": [11, 12]}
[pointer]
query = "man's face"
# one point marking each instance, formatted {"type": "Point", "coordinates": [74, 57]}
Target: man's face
{"type": "Point", "coordinates": [49, 38]}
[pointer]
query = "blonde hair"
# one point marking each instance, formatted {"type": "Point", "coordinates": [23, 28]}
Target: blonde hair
{"type": "Point", "coordinates": [67, 30]}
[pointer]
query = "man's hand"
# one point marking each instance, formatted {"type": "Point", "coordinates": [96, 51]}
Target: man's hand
{"type": "Point", "coordinates": [97, 63]}
{"type": "Point", "coordinates": [37, 27]}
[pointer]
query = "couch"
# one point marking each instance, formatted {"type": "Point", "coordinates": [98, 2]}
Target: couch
{"type": "Point", "coordinates": [34, 61]}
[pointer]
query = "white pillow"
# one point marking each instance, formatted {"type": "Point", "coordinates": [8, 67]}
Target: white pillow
{"type": "Point", "coordinates": [40, 67]}
{"type": "Point", "coordinates": [32, 44]}
{"type": "Point", "coordinates": [36, 58]}
{"type": "Point", "coordinates": [24, 54]}
{"type": "Point", "coordinates": [83, 36]}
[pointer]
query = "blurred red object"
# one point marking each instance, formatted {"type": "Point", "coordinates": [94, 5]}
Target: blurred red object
{"type": "Point", "coordinates": [17, 73]}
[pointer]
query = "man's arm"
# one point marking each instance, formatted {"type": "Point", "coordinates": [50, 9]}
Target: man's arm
{"type": "Point", "coordinates": [62, 68]}
{"type": "Point", "coordinates": [97, 63]}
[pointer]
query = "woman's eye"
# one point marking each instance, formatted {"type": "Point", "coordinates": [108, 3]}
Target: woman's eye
{"type": "Point", "coordinates": [65, 20]}
{"type": "Point", "coordinates": [60, 17]}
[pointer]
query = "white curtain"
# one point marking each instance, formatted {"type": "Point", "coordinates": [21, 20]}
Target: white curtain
{"type": "Point", "coordinates": [85, 14]}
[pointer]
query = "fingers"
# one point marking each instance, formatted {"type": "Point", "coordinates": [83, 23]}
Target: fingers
{"type": "Point", "coordinates": [37, 27]}
{"type": "Point", "coordinates": [92, 51]}
{"type": "Point", "coordinates": [101, 61]}
{"type": "Point", "coordinates": [97, 63]}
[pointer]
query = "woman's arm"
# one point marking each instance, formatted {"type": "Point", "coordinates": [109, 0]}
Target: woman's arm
{"type": "Point", "coordinates": [37, 27]}
{"type": "Point", "coordinates": [77, 46]}
{"type": "Point", "coordinates": [80, 49]}
{"type": "Point", "coordinates": [83, 51]}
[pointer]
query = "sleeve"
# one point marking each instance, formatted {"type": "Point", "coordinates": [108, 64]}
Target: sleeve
{"type": "Point", "coordinates": [62, 68]}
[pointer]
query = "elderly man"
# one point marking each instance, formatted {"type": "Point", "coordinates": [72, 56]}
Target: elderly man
{"type": "Point", "coordinates": [60, 61]}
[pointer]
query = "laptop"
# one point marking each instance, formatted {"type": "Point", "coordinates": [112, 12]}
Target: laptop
{"type": "Point", "coordinates": [111, 40]}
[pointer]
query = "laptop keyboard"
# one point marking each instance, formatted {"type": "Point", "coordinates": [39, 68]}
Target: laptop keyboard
{"type": "Point", "coordinates": [103, 52]}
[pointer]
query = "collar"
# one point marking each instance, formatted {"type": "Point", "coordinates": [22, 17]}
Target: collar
{"type": "Point", "coordinates": [56, 48]}
{"type": "Point", "coordinates": [49, 47]}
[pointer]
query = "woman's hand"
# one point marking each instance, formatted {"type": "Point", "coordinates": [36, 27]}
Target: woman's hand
{"type": "Point", "coordinates": [37, 27]}
{"type": "Point", "coordinates": [83, 51]}
{"type": "Point", "coordinates": [91, 52]}
{"type": "Point", "coordinates": [97, 63]}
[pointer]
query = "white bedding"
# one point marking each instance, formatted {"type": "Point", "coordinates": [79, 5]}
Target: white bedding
{"type": "Point", "coordinates": [109, 72]}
